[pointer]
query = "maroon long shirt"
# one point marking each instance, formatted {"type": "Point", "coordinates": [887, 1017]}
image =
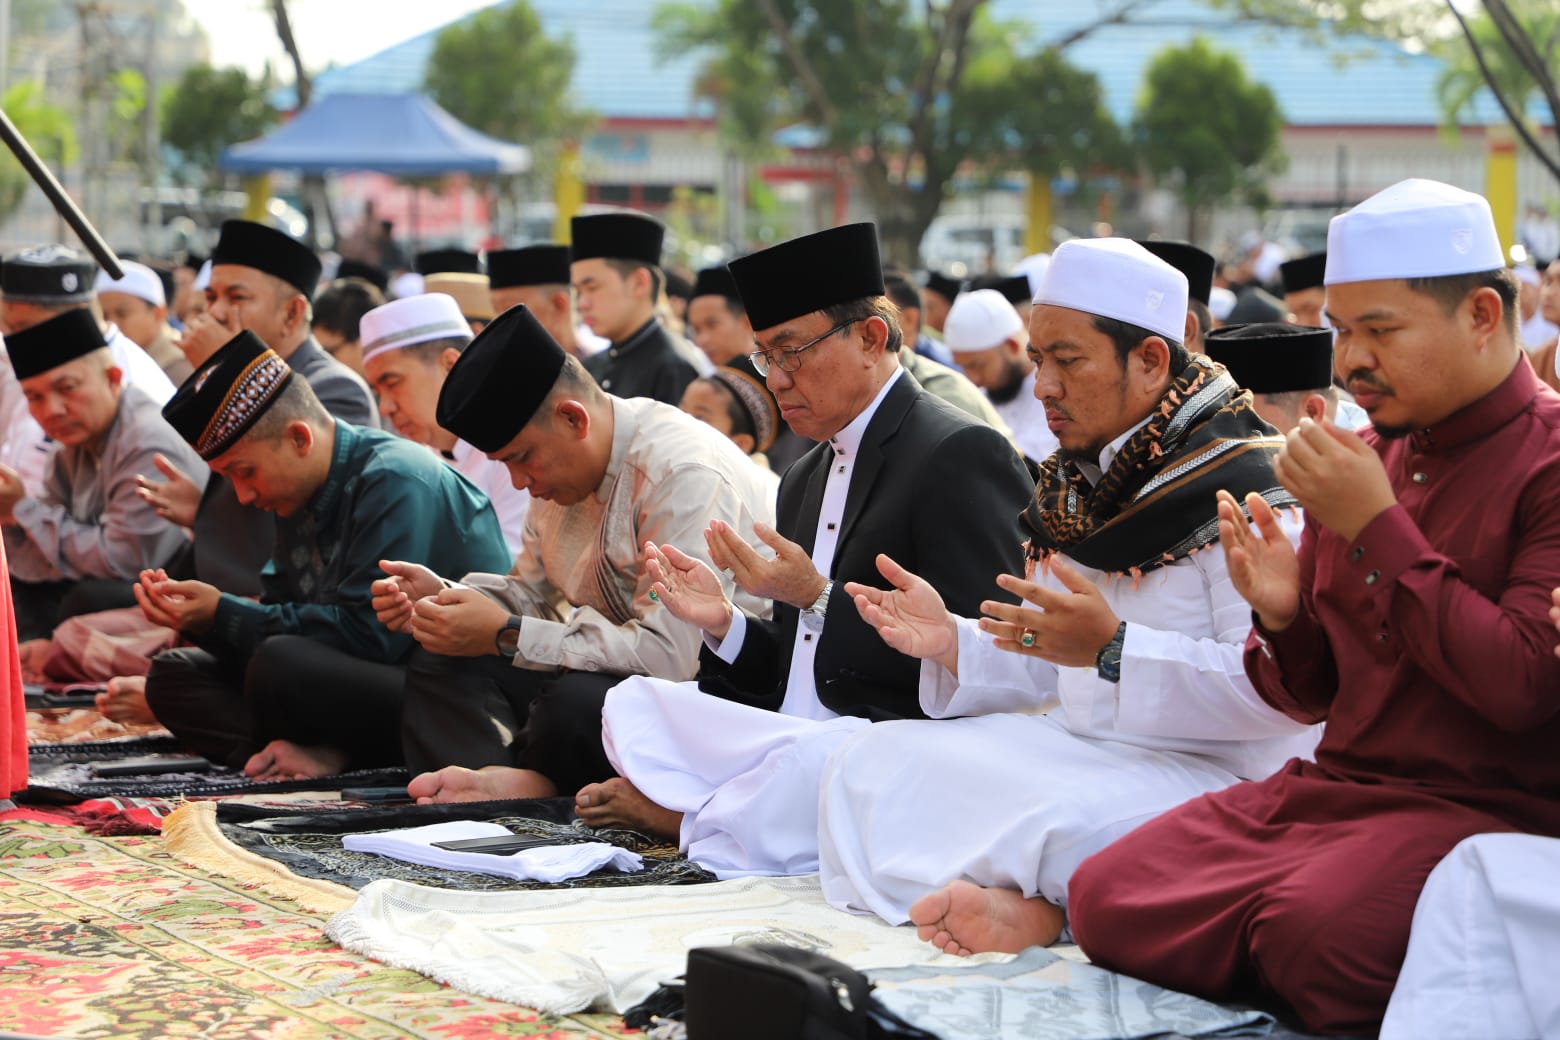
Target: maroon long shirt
{"type": "Point", "coordinates": [1425, 644]}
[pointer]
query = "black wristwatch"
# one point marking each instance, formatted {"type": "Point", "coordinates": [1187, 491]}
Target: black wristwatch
{"type": "Point", "coordinates": [1108, 661]}
{"type": "Point", "coordinates": [508, 639]}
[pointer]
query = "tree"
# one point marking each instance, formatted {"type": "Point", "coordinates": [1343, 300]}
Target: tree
{"type": "Point", "coordinates": [209, 109]}
{"type": "Point", "coordinates": [1206, 131]}
{"type": "Point", "coordinates": [907, 93]}
{"type": "Point", "coordinates": [1509, 47]}
{"type": "Point", "coordinates": [46, 127]}
{"type": "Point", "coordinates": [499, 73]}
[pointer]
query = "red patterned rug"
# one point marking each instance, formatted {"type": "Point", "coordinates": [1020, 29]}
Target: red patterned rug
{"type": "Point", "coordinates": [112, 937]}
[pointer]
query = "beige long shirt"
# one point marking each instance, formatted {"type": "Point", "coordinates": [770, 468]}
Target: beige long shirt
{"type": "Point", "coordinates": [578, 582]}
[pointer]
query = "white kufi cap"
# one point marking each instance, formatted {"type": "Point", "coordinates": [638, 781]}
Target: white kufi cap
{"type": "Point", "coordinates": [203, 277]}
{"type": "Point", "coordinates": [1117, 278]}
{"type": "Point", "coordinates": [1414, 229]}
{"type": "Point", "coordinates": [980, 320]}
{"type": "Point", "coordinates": [139, 281]}
{"type": "Point", "coordinates": [408, 283]}
{"type": "Point", "coordinates": [408, 322]}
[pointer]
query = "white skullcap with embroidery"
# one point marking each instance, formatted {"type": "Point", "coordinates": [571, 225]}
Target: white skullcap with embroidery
{"type": "Point", "coordinates": [980, 320]}
{"type": "Point", "coordinates": [1117, 278]}
{"type": "Point", "coordinates": [408, 322]}
{"type": "Point", "coordinates": [1415, 229]}
{"type": "Point", "coordinates": [139, 281]}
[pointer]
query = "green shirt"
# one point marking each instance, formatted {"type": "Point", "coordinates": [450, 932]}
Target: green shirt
{"type": "Point", "coordinates": [385, 498]}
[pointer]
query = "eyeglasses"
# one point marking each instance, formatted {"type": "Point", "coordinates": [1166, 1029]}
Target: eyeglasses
{"type": "Point", "coordinates": [790, 360]}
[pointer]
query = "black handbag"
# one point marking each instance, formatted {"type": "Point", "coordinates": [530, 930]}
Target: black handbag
{"type": "Point", "coordinates": [776, 992]}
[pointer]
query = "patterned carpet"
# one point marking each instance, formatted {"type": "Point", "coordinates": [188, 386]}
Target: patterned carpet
{"type": "Point", "coordinates": [106, 937]}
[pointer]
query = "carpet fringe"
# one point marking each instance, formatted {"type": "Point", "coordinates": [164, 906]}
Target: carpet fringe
{"type": "Point", "coordinates": [191, 833]}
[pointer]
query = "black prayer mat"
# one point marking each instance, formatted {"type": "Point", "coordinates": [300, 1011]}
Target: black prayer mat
{"type": "Point", "coordinates": [62, 774]}
{"type": "Point", "coordinates": [309, 844]}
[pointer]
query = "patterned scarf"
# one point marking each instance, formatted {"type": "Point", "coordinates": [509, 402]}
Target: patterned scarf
{"type": "Point", "coordinates": [1156, 503]}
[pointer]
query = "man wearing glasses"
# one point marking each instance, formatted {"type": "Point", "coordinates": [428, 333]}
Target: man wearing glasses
{"type": "Point", "coordinates": [896, 472]}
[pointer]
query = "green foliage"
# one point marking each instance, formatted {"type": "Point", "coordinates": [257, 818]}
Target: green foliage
{"type": "Point", "coordinates": [47, 128]}
{"type": "Point", "coordinates": [499, 73]}
{"type": "Point", "coordinates": [911, 92]}
{"type": "Point", "coordinates": [1205, 130]}
{"type": "Point", "coordinates": [209, 109]}
{"type": "Point", "coordinates": [1462, 79]}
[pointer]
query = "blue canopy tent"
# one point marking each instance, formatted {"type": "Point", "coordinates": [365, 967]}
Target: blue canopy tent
{"type": "Point", "coordinates": [404, 135]}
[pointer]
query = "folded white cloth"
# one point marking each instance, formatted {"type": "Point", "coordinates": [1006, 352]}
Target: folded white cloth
{"type": "Point", "coordinates": [544, 863]}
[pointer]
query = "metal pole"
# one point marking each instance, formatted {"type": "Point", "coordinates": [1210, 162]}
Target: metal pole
{"type": "Point", "coordinates": [62, 203]}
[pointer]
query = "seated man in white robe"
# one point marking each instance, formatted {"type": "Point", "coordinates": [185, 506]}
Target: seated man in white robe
{"type": "Point", "coordinates": [409, 346]}
{"type": "Point", "coordinates": [1481, 954]}
{"type": "Point", "coordinates": [1116, 691]}
{"type": "Point", "coordinates": [734, 776]}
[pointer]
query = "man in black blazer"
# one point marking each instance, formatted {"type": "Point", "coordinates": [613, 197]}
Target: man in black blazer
{"type": "Point", "coordinates": [896, 472]}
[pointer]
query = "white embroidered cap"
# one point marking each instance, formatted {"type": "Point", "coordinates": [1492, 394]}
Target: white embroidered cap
{"type": "Point", "coordinates": [405, 323]}
{"type": "Point", "coordinates": [1117, 278]}
{"type": "Point", "coordinates": [980, 320]}
{"type": "Point", "coordinates": [1415, 229]}
{"type": "Point", "coordinates": [407, 283]}
{"type": "Point", "coordinates": [139, 281]}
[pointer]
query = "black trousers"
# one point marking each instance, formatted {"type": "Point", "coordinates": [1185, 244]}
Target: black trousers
{"type": "Point", "coordinates": [483, 711]}
{"type": "Point", "coordinates": [42, 605]}
{"type": "Point", "coordinates": [291, 688]}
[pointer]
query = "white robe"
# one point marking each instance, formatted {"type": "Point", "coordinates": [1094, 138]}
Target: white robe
{"type": "Point", "coordinates": [1025, 416]}
{"type": "Point", "coordinates": [995, 792]}
{"type": "Point", "coordinates": [1484, 946]}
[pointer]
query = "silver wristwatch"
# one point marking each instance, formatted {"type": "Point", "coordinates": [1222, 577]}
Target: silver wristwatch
{"type": "Point", "coordinates": [812, 616]}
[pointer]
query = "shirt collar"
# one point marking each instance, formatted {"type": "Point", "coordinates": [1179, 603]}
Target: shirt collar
{"type": "Point", "coordinates": [1482, 417]}
{"type": "Point", "coordinates": [848, 440]}
{"type": "Point", "coordinates": [1092, 472]}
{"type": "Point", "coordinates": [324, 499]}
{"type": "Point", "coordinates": [624, 425]}
{"type": "Point", "coordinates": [635, 338]}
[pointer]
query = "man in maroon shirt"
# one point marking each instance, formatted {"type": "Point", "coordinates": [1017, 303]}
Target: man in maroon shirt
{"type": "Point", "coordinates": [1414, 621]}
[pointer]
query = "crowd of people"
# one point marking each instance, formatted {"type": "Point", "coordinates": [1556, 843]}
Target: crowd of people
{"type": "Point", "coordinates": [1215, 635]}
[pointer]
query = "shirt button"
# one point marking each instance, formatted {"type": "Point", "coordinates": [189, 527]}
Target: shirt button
{"type": "Point", "coordinates": [807, 638]}
{"type": "Point", "coordinates": [1356, 553]}
{"type": "Point", "coordinates": [842, 469]}
{"type": "Point", "coordinates": [831, 527]}
{"type": "Point", "coordinates": [1420, 478]}
{"type": "Point", "coordinates": [1370, 579]}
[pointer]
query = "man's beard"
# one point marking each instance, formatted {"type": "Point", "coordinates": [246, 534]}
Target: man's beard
{"type": "Point", "coordinates": [1010, 387]}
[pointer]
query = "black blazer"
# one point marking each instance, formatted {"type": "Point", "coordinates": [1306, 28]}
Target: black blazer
{"type": "Point", "coordinates": [933, 488]}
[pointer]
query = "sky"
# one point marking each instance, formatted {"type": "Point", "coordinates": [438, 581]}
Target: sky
{"type": "Point", "coordinates": [328, 31]}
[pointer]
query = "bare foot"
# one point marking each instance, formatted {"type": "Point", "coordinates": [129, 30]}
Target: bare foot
{"type": "Point", "coordinates": [963, 919]}
{"type": "Point", "coordinates": [284, 760]}
{"type": "Point", "coordinates": [488, 784]}
{"type": "Point", "coordinates": [125, 701]}
{"type": "Point", "coordinates": [618, 803]}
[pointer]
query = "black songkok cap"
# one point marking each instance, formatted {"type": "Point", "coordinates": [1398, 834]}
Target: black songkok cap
{"type": "Point", "coordinates": [373, 274]}
{"type": "Point", "coordinates": [48, 274]}
{"type": "Point", "coordinates": [716, 281]}
{"type": "Point", "coordinates": [50, 344]}
{"type": "Point", "coordinates": [447, 261]}
{"type": "Point", "coordinates": [1197, 264]}
{"type": "Point", "coordinates": [224, 397]}
{"type": "Point", "coordinates": [808, 274]}
{"type": "Point", "coordinates": [1303, 272]}
{"type": "Point", "coordinates": [942, 285]}
{"type": "Point", "coordinates": [1273, 358]}
{"type": "Point", "coordinates": [1015, 288]}
{"type": "Point", "coordinates": [529, 265]}
{"type": "Point", "coordinates": [500, 380]}
{"type": "Point", "coordinates": [269, 251]}
{"type": "Point", "coordinates": [618, 236]}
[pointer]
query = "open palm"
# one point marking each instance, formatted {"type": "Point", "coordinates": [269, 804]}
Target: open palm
{"type": "Point", "coordinates": [910, 617]}
{"type": "Point", "coordinates": [687, 587]}
{"type": "Point", "coordinates": [1262, 564]}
